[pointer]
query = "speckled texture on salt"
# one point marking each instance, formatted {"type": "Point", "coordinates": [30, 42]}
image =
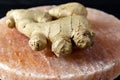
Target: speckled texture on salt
{"type": "Point", "coordinates": [100, 62]}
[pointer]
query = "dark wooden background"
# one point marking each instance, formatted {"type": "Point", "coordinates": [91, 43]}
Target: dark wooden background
{"type": "Point", "coordinates": [109, 6]}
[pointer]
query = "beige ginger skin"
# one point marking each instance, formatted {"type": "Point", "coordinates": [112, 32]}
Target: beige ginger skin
{"type": "Point", "coordinates": [39, 27]}
{"type": "Point", "coordinates": [23, 16]}
{"type": "Point", "coordinates": [68, 9]}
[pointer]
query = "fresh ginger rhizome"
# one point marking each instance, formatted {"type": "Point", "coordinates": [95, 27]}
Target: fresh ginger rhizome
{"type": "Point", "coordinates": [70, 24]}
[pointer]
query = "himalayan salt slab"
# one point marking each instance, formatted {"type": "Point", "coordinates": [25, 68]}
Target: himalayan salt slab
{"type": "Point", "coordinates": [100, 62]}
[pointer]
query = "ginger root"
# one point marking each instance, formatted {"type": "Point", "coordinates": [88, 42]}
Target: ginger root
{"type": "Point", "coordinates": [39, 27]}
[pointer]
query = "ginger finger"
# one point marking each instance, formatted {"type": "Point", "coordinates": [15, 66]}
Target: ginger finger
{"type": "Point", "coordinates": [82, 38]}
{"type": "Point", "coordinates": [37, 41]}
{"type": "Point", "coordinates": [21, 18]}
{"type": "Point", "coordinates": [13, 17]}
{"type": "Point", "coordinates": [61, 46]}
{"type": "Point", "coordinates": [10, 22]}
{"type": "Point", "coordinates": [68, 9]}
{"type": "Point", "coordinates": [82, 33]}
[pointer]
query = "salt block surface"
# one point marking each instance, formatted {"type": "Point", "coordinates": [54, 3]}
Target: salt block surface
{"type": "Point", "coordinates": [100, 62]}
